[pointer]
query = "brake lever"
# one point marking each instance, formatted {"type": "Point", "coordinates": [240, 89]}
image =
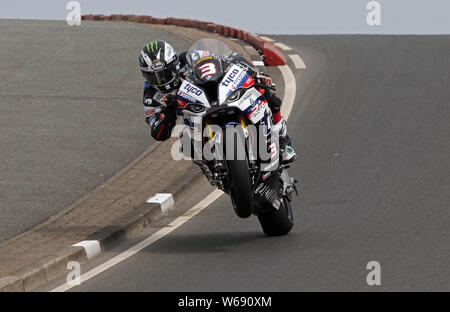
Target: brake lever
{"type": "Point", "coordinates": [265, 86]}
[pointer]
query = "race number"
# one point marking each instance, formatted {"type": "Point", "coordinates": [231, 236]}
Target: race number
{"type": "Point", "coordinates": [208, 69]}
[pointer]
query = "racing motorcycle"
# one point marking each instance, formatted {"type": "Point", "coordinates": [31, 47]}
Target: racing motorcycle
{"type": "Point", "coordinates": [229, 134]}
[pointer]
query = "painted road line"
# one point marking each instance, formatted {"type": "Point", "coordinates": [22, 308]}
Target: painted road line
{"type": "Point", "coordinates": [148, 241]}
{"type": "Point", "coordinates": [258, 63]}
{"type": "Point", "coordinates": [290, 89]}
{"type": "Point", "coordinates": [297, 60]}
{"type": "Point", "coordinates": [266, 38]}
{"type": "Point", "coordinates": [283, 46]}
{"type": "Point", "coordinates": [288, 103]}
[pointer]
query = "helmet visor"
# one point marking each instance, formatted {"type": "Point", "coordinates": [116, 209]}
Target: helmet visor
{"type": "Point", "coordinates": [162, 77]}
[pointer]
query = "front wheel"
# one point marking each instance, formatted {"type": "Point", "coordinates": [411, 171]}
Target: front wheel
{"type": "Point", "coordinates": [241, 188]}
{"type": "Point", "coordinates": [277, 222]}
{"type": "Point", "coordinates": [241, 192]}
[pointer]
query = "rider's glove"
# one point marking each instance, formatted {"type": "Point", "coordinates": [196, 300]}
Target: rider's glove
{"type": "Point", "coordinates": [162, 123]}
{"type": "Point", "coordinates": [169, 100]}
{"type": "Point", "coordinates": [273, 100]}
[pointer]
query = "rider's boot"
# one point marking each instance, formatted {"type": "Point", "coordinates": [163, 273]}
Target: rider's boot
{"type": "Point", "coordinates": [287, 152]}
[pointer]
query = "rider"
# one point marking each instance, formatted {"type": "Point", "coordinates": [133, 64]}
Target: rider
{"type": "Point", "coordinates": [163, 70]}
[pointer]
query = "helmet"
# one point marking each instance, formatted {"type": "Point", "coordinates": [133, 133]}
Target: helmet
{"type": "Point", "coordinates": [159, 64]}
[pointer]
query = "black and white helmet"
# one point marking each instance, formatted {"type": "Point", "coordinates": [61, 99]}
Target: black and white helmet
{"type": "Point", "coordinates": [159, 64]}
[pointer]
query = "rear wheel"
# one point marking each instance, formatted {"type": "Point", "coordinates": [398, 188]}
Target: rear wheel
{"type": "Point", "coordinates": [277, 222]}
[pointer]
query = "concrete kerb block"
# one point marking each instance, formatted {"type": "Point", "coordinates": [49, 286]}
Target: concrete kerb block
{"type": "Point", "coordinates": [129, 17]}
{"type": "Point", "coordinates": [42, 271]}
{"type": "Point", "coordinates": [115, 17]}
{"type": "Point", "coordinates": [32, 276]}
{"type": "Point", "coordinates": [158, 21]}
{"type": "Point", "coordinates": [170, 21]}
{"type": "Point", "coordinates": [98, 17]}
{"type": "Point", "coordinates": [11, 284]}
{"type": "Point", "coordinates": [233, 32]}
{"type": "Point", "coordinates": [226, 31]}
{"type": "Point", "coordinates": [220, 29]}
{"type": "Point", "coordinates": [165, 200]}
{"type": "Point", "coordinates": [273, 55]}
{"type": "Point", "coordinates": [191, 23]}
{"type": "Point", "coordinates": [142, 18]}
{"type": "Point", "coordinates": [91, 247]}
{"type": "Point", "coordinates": [255, 42]}
{"type": "Point", "coordinates": [243, 35]}
{"type": "Point", "coordinates": [211, 27]}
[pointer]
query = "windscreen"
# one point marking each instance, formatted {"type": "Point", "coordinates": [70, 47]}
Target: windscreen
{"type": "Point", "coordinates": [206, 47]}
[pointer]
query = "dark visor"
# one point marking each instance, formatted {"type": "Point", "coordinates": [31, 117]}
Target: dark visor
{"type": "Point", "coordinates": [162, 77]}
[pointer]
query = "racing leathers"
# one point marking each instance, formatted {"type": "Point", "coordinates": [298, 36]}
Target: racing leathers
{"type": "Point", "coordinates": [160, 112]}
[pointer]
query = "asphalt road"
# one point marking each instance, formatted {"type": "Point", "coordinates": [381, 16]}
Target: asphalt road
{"type": "Point", "coordinates": [70, 112]}
{"type": "Point", "coordinates": [371, 123]}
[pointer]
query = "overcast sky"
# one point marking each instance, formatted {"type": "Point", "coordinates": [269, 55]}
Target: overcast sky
{"type": "Point", "coordinates": [271, 17]}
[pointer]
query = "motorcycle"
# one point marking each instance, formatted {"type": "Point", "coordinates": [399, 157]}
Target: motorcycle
{"type": "Point", "coordinates": [229, 134]}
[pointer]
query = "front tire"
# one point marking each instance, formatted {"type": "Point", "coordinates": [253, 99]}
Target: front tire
{"type": "Point", "coordinates": [241, 192]}
{"type": "Point", "coordinates": [241, 188]}
{"type": "Point", "coordinates": [277, 222]}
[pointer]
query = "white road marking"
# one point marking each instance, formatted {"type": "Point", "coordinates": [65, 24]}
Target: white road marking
{"type": "Point", "coordinates": [258, 63]}
{"type": "Point", "coordinates": [297, 60]}
{"type": "Point", "coordinates": [266, 38]}
{"type": "Point", "coordinates": [288, 103]}
{"type": "Point", "coordinates": [91, 247]}
{"type": "Point", "coordinates": [147, 242]}
{"type": "Point", "coordinates": [283, 46]}
{"type": "Point", "coordinates": [290, 89]}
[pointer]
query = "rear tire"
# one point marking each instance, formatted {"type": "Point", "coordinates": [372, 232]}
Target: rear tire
{"type": "Point", "coordinates": [277, 222]}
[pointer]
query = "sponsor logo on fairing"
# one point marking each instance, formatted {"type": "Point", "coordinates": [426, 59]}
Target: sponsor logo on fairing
{"type": "Point", "coordinates": [231, 77]}
{"type": "Point", "coordinates": [181, 101]}
{"type": "Point", "coordinates": [255, 107]}
{"type": "Point", "coordinates": [190, 94]}
{"type": "Point", "coordinates": [191, 89]}
{"type": "Point", "coordinates": [241, 77]}
{"type": "Point", "coordinates": [248, 83]}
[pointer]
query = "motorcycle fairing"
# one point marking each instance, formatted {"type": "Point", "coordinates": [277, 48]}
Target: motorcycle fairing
{"type": "Point", "coordinates": [254, 106]}
{"type": "Point", "coordinates": [268, 190]}
{"type": "Point", "coordinates": [208, 69]}
{"type": "Point", "coordinates": [190, 93]}
{"type": "Point", "coordinates": [235, 77]}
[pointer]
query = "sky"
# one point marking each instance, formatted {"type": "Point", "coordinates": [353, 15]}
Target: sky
{"type": "Point", "coordinates": [263, 16]}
